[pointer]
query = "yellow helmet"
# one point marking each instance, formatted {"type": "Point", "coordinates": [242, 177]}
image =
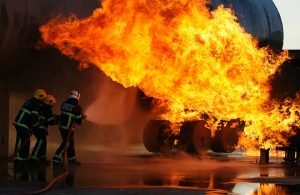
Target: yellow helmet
{"type": "Point", "coordinates": [40, 94]}
{"type": "Point", "coordinates": [50, 100]}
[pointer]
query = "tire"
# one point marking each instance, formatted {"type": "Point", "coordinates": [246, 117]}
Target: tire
{"type": "Point", "coordinates": [153, 133]}
{"type": "Point", "coordinates": [226, 139]}
{"type": "Point", "coordinates": [194, 137]}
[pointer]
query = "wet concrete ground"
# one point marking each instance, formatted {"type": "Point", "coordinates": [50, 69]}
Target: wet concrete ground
{"type": "Point", "coordinates": [155, 174]}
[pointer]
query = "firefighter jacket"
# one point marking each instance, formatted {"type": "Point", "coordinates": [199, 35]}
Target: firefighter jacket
{"type": "Point", "coordinates": [71, 112]}
{"type": "Point", "coordinates": [28, 116]}
{"type": "Point", "coordinates": [46, 118]}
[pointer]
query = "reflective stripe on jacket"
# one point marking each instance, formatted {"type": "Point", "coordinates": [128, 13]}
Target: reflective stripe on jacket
{"type": "Point", "coordinates": [28, 116]}
{"type": "Point", "coordinates": [46, 117]}
{"type": "Point", "coordinates": [71, 112]}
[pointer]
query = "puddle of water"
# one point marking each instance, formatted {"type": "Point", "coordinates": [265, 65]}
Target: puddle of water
{"type": "Point", "coordinates": [214, 176]}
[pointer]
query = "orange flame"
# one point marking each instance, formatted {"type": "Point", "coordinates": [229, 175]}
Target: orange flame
{"type": "Point", "coordinates": [191, 60]}
{"type": "Point", "coordinates": [270, 189]}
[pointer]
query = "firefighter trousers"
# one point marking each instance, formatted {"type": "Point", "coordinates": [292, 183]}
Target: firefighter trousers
{"type": "Point", "coordinates": [40, 147]}
{"type": "Point", "coordinates": [58, 156]}
{"type": "Point", "coordinates": [22, 148]}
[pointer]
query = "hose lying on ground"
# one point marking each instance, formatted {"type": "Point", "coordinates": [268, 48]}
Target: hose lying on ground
{"type": "Point", "coordinates": [65, 169]}
{"type": "Point", "coordinates": [63, 175]}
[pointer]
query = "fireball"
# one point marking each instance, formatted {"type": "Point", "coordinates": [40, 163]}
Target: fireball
{"type": "Point", "coordinates": [190, 59]}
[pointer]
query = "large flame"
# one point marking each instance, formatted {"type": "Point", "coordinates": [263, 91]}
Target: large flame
{"type": "Point", "coordinates": [269, 188]}
{"type": "Point", "coordinates": [191, 60]}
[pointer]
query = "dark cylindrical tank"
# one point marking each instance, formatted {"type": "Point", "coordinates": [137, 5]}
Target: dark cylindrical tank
{"type": "Point", "coordinates": [19, 26]}
{"type": "Point", "coordinates": [260, 18]}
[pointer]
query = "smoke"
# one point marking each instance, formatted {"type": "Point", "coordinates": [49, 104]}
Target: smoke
{"type": "Point", "coordinates": [285, 83]}
{"type": "Point", "coordinates": [113, 105]}
{"type": "Point", "coordinates": [115, 121]}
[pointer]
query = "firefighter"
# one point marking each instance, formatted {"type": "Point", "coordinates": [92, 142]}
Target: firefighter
{"type": "Point", "coordinates": [41, 131]}
{"type": "Point", "coordinates": [26, 119]}
{"type": "Point", "coordinates": [71, 114]}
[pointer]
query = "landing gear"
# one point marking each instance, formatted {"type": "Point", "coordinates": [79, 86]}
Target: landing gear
{"type": "Point", "coordinates": [227, 137]}
{"type": "Point", "coordinates": [194, 137]}
{"type": "Point", "coordinates": [158, 137]}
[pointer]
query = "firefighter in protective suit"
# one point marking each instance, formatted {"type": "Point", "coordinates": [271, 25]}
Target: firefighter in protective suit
{"type": "Point", "coordinates": [71, 114]}
{"type": "Point", "coordinates": [26, 119]}
{"type": "Point", "coordinates": [41, 131]}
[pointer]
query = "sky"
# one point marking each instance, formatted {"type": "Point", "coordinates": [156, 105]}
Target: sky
{"type": "Point", "coordinates": [290, 15]}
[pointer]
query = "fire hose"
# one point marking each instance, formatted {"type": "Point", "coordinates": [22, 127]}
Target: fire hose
{"type": "Point", "coordinates": [65, 169]}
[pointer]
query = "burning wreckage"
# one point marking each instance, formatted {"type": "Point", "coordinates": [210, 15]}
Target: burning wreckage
{"type": "Point", "coordinates": [260, 19]}
{"type": "Point", "coordinates": [208, 76]}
